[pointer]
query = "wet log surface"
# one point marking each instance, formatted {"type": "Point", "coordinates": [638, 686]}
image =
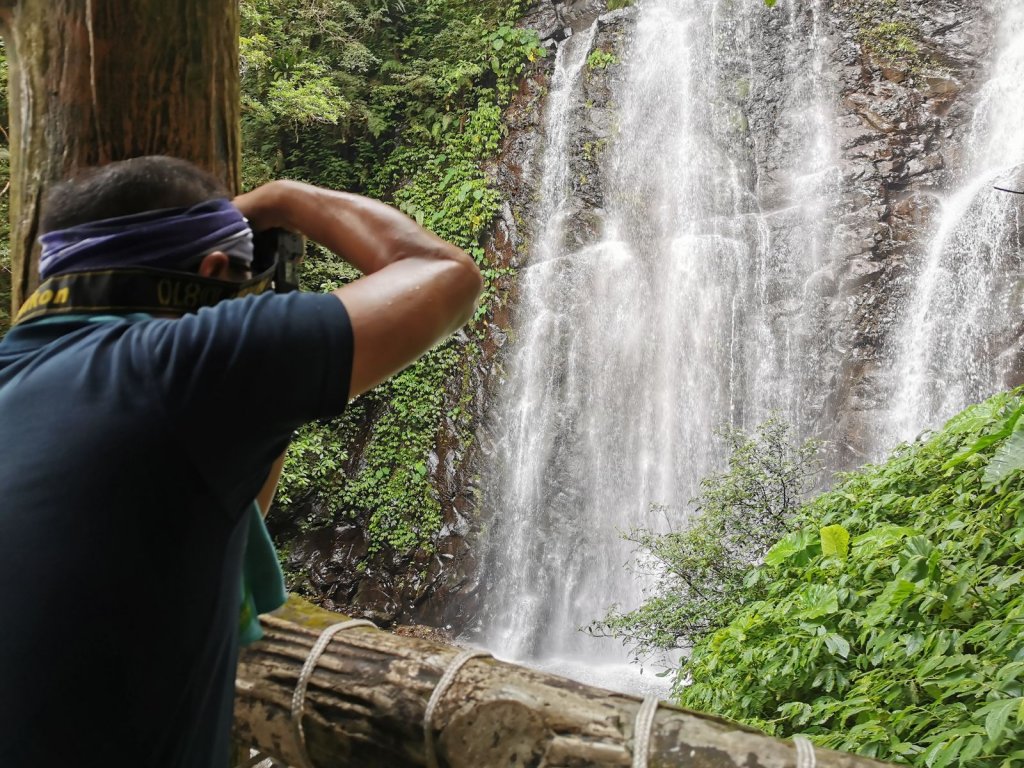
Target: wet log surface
{"type": "Point", "coordinates": [367, 697]}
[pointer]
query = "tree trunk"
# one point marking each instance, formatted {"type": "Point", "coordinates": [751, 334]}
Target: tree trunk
{"type": "Point", "coordinates": [367, 696]}
{"type": "Point", "coordinates": [94, 81]}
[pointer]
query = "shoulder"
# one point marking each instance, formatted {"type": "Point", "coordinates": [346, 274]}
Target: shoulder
{"type": "Point", "coordinates": [266, 317]}
{"type": "Point", "coordinates": [296, 305]}
{"type": "Point", "coordinates": [296, 345]}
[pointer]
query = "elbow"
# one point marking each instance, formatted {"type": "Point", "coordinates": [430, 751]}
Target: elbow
{"type": "Point", "coordinates": [474, 279]}
{"type": "Point", "coordinates": [467, 283]}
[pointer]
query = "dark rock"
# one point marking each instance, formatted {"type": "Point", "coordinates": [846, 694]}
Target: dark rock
{"type": "Point", "coordinates": [543, 19]}
{"type": "Point", "coordinates": [898, 130]}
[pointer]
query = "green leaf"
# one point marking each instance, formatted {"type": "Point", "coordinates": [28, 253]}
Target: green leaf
{"type": "Point", "coordinates": [1005, 429]}
{"type": "Point", "coordinates": [1008, 458]}
{"type": "Point", "coordinates": [817, 600]}
{"type": "Point", "coordinates": [835, 541]}
{"type": "Point", "coordinates": [998, 715]}
{"type": "Point", "coordinates": [892, 597]}
{"type": "Point", "coordinates": [837, 645]}
{"type": "Point", "coordinates": [947, 754]}
{"type": "Point", "coordinates": [785, 549]}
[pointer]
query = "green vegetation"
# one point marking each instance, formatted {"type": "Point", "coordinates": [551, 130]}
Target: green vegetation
{"type": "Point", "coordinates": [891, 622]}
{"type": "Point", "coordinates": [739, 515]}
{"type": "Point", "coordinates": [893, 42]}
{"type": "Point", "coordinates": [592, 150]}
{"type": "Point", "coordinates": [601, 59]}
{"type": "Point", "coordinates": [402, 102]}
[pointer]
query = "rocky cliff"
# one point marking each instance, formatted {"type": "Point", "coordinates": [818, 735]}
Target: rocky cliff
{"type": "Point", "coordinates": [902, 74]}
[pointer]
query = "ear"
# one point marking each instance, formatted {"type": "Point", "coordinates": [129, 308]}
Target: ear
{"type": "Point", "coordinates": [215, 265]}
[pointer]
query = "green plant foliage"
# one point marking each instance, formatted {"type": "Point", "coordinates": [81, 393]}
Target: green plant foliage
{"type": "Point", "coordinates": [402, 102]}
{"type": "Point", "coordinates": [601, 59]}
{"type": "Point", "coordinates": [892, 39]}
{"type": "Point", "coordinates": [700, 568]}
{"type": "Point", "coordinates": [892, 621]}
{"type": "Point", "coordinates": [895, 43]}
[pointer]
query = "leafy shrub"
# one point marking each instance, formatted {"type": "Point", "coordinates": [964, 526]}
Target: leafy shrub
{"type": "Point", "coordinates": [891, 623]}
{"type": "Point", "coordinates": [601, 59]}
{"type": "Point", "coordinates": [738, 515]}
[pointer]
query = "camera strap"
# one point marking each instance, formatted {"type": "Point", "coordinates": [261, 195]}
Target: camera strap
{"type": "Point", "coordinates": [138, 289]}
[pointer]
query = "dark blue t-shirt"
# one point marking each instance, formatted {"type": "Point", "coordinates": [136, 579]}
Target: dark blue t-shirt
{"type": "Point", "coordinates": [131, 452]}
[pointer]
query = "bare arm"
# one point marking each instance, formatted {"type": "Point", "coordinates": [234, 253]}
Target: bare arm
{"type": "Point", "coordinates": [416, 287]}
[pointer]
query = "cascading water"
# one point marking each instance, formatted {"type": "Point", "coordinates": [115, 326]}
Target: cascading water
{"type": "Point", "coordinates": [958, 339]}
{"type": "Point", "coordinates": [694, 306]}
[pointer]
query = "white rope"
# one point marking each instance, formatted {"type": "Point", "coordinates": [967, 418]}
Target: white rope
{"type": "Point", "coordinates": [805, 757]}
{"type": "Point", "coordinates": [642, 730]}
{"type": "Point", "coordinates": [299, 696]}
{"type": "Point", "coordinates": [439, 690]}
{"type": "Point", "coordinates": [258, 760]}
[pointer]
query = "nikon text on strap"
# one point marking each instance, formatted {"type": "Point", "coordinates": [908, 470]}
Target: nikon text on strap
{"type": "Point", "coordinates": [142, 289]}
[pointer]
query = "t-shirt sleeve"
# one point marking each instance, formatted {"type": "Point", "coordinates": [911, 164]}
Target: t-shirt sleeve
{"type": "Point", "coordinates": [237, 378]}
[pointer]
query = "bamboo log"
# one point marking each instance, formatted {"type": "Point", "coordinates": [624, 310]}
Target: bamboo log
{"type": "Point", "coordinates": [367, 696]}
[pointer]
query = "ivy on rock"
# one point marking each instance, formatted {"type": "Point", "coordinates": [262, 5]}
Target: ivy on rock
{"type": "Point", "coordinates": [402, 102]}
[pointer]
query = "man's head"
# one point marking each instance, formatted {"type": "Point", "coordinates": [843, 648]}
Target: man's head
{"type": "Point", "coordinates": [147, 211]}
{"type": "Point", "coordinates": [126, 187]}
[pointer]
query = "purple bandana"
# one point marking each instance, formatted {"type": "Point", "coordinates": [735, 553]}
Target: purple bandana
{"type": "Point", "coordinates": [166, 239]}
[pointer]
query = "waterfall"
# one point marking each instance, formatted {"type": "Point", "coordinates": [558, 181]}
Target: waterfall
{"type": "Point", "coordinates": [958, 336]}
{"type": "Point", "coordinates": [698, 304]}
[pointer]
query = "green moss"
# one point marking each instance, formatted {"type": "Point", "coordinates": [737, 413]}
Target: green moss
{"type": "Point", "coordinates": [593, 149]}
{"type": "Point", "coordinates": [895, 43]}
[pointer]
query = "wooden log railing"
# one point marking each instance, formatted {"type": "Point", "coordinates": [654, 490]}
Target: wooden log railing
{"type": "Point", "coordinates": [369, 691]}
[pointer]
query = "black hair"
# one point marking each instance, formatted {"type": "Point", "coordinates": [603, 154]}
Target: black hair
{"type": "Point", "coordinates": [125, 187]}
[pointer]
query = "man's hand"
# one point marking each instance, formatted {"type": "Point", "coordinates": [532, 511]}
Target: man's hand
{"type": "Point", "coordinates": [416, 289]}
{"type": "Point", "coordinates": [262, 206]}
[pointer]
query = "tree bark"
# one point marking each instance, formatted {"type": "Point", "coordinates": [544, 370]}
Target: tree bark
{"type": "Point", "coordinates": [367, 697]}
{"type": "Point", "coordinates": [92, 82]}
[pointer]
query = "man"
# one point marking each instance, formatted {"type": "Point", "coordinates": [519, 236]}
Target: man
{"type": "Point", "coordinates": [134, 446]}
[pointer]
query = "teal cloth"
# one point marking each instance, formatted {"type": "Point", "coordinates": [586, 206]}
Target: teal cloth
{"type": "Point", "coordinates": [262, 578]}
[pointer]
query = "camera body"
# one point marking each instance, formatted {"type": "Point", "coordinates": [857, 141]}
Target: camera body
{"type": "Point", "coordinates": [281, 250]}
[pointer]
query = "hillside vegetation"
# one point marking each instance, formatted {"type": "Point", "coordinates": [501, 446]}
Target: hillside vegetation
{"type": "Point", "coordinates": [891, 621]}
{"type": "Point", "coordinates": [401, 101]}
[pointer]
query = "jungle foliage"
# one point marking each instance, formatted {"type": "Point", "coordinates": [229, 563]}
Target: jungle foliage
{"type": "Point", "coordinates": [699, 568]}
{"type": "Point", "coordinates": [891, 621]}
{"type": "Point", "coordinates": [401, 101]}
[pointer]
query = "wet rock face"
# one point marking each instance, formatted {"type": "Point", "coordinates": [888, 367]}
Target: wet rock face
{"type": "Point", "coordinates": [437, 589]}
{"type": "Point", "coordinates": [907, 72]}
{"type": "Point", "coordinates": [900, 120]}
{"type": "Point", "coordinates": [442, 589]}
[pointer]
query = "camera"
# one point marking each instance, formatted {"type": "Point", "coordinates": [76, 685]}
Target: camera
{"type": "Point", "coordinates": [280, 250]}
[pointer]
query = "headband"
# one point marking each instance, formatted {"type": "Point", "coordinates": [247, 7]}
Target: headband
{"type": "Point", "coordinates": [167, 239]}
